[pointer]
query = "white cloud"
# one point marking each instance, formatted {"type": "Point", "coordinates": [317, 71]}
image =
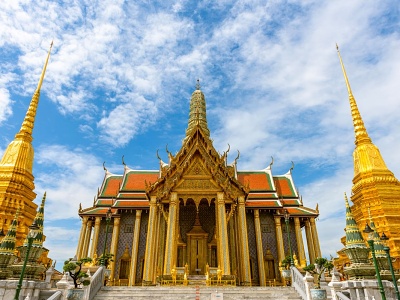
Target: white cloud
{"type": "Point", "coordinates": [72, 176]}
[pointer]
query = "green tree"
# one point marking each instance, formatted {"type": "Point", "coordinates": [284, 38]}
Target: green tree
{"type": "Point", "coordinates": [74, 269]}
{"type": "Point", "coordinates": [321, 265]}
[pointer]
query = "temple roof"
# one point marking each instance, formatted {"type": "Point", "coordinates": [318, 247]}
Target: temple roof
{"type": "Point", "coordinates": [266, 191]}
{"type": "Point", "coordinates": [198, 167]}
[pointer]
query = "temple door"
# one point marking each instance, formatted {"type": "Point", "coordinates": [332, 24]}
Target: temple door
{"type": "Point", "coordinates": [197, 248]}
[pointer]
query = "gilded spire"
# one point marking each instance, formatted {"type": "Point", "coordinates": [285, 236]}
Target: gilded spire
{"type": "Point", "coordinates": [359, 128]}
{"type": "Point", "coordinates": [197, 114]}
{"type": "Point", "coordinates": [354, 238]}
{"type": "Point", "coordinates": [28, 123]}
{"type": "Point", "coordinates": [38, 241]}
{"type": "Point", "coordinates": [7, 245]}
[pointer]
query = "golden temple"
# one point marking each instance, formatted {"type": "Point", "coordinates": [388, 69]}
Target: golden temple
{"type": "Point", "coordinates": [198, 215]}
{"type": "Point", "coordinates": [16, 177]}
{"type": "Point", "coordinates": [376, 191]}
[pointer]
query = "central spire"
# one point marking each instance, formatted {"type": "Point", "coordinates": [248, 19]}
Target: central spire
{"type": "Point", "coordinates": [27, 124]}
{"type": "Point", "coordinates": [359, 128]}
{"type": "Point", "coordinates": [197, 113]}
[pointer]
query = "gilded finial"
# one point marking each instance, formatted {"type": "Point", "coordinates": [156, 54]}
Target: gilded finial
{"type": "Point", "coordinates": [123, 162]}
{"type": "Point", "coordinates": [272, 161]}
{"type": "Point", "coordinates": [104, 166]}
{"type": "Point", "coordinates": [198, 84]}
{"type": "Point", "coordinates": [346, 200]}
{"type": "Point", "coordinates": [359, 128]}
{"type": "Point", "coordinates": [291, 168]}
{"type": "Point", "coordinates": [80, 208]}
{"type": "Point", "coordinates": [28, 123]}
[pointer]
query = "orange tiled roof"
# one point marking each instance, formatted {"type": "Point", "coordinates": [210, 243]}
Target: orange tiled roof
{"type": "Point", "coordinates": [258, 180]}
{"type": "Point", "coordinates": [131, 203]}
{"type": "Point", "coordinates": [261, 196]}
{"type": "Point", "coordinates": [301, 211]}
{"type": "Point", "coordinates": [135, 180]}
{"type": "Point", "coordinates": [128, 195]}
{"type": "Point", "coordinates": [111, 186]}
{"type": "Point", "coordinates": [284, 187]}
{"type": "Point", "coordinates": [263, 203]}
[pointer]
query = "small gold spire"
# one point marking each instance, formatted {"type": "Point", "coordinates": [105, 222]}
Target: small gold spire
{"type": "Point", "coordinates": [28, 123]}
{"type": "Point", "coordinates": [345, 197]}
{"type": "Point", "coordinates": [198, 84]}
{"type": "Point", "coordinates": [359, 128]}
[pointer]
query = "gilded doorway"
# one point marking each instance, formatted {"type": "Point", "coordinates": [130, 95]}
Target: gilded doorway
{"type": "Point", "coordinates": [196, 225]}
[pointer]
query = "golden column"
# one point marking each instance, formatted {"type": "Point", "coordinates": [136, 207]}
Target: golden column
{"type": "Point", "coordinates": [245, 257]}
{"type": "Point", "coordinates": [150, 247]}
{"type": "Point", "coordinates": [157, 246]}
{"type": "Point", "coordinates": [86, 243]}
{"type": "Point", "coordinates": [170, 244]}
{"type": "Point", "coordinates": [81, 238]}
{"type": "Point", "coordinates": [161, 245]}
{"type": "Point", "coordinates": [260, 251]}
{"type": "Point", "coordinates": [223, 235]}
{"type": "Point", "coordinates": [114, 245]}
{"type": "Point", "coordinates": [279, 238]}
{"type": "Point", "coordinates": [93, 249]}
{"type": "Point", "coordinates": [310, 243]}
{"type": "Point", "coordinates": [232, 245]}
{"type": "Point", "coordinates": [299, 240]}
{"type": "Point", "coordinates": [314, 232]}
{"type": "Point", "coordinates": [135, 248]}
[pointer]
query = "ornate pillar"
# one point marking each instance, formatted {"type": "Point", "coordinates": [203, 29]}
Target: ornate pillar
{"type": "Point", "coordinates": [279, 238]}
{"type": "Point", "coordinates": [149, 255]}
{"type": "Point", "coordinates": [81, 238]}
{"type": "Point", "coordinates": [86, 244]}
{"type": "Point", "coordinates": [299, 240]}
{"type": "Point", "coordinates": [156, 243]}
{"type": "Point", "coordinates": [242, 226]}
{"type": "Point", "coordinates": [114, 245]}
{"type": "Point", "coordinates": [170, 244]}
{"type": "Point", "coordinates": [223, 235]}
{"type": "Point", "coordinates": [135, 248]}
{"type": "Point", "coordinates": [96, 232]}
{"type": "Point", "coordinates": [314, 232]}
{"type": "Point", "coordinates": [260, 251]}
{"type": "Point", "coordinates": [310, 244]}
{"type": "Point", "coordinates": [232, 244]}
{"type": "Point", "coordinates": [161, 243]}
{"type": "Point", "coordinates": [238, 248]}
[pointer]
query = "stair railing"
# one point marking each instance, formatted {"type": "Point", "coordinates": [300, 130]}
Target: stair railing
{"type": "Point", "coordinates": [56, 296]}
{"type": "Point", "coordinates": [96, 282]}
{"type": "Point", "coordinates": [298, 283]}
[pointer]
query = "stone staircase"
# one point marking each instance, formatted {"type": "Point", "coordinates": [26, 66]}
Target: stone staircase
{"type": "Point", "coordinates": [196, 293]}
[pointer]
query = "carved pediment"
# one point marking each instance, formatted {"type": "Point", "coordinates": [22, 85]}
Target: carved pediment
{"type": "Point", "coordinates": [197, 184]}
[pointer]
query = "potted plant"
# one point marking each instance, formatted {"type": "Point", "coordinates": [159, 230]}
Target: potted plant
{"type": "Point", "coordinates": [285, 269]}
{"type": "Point", "coordinates": [104, 260]}
{"type": "Point", "coordinates": [321, 265]}
{"type": "Point", "coordinates": [74, 268]}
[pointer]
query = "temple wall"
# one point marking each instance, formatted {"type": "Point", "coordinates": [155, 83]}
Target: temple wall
{"type": "Point", "coordinates": [268, 234]}
{"type": "Point", "coordinates": [102, 236]}
{"type": "Point", "coordinates": [125, 237]}
{"type": "Point", "coordinates": [252, 246]}
{"type": "Point", "coordinates": [142, 245]}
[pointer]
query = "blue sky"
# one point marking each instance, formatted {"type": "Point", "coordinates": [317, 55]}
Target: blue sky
{"type": "Point", "coordinates": [121, 74]}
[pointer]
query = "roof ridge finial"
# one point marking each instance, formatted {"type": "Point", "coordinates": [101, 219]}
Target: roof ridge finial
{"type": "Point", "coordinates": [28, 123]}
{"type": "Point", "coordinates": [198, 84]}
{"type": "Point", "coordinates": [359, 129]}
{"type": "Point", "coordinates": [346, 200]}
